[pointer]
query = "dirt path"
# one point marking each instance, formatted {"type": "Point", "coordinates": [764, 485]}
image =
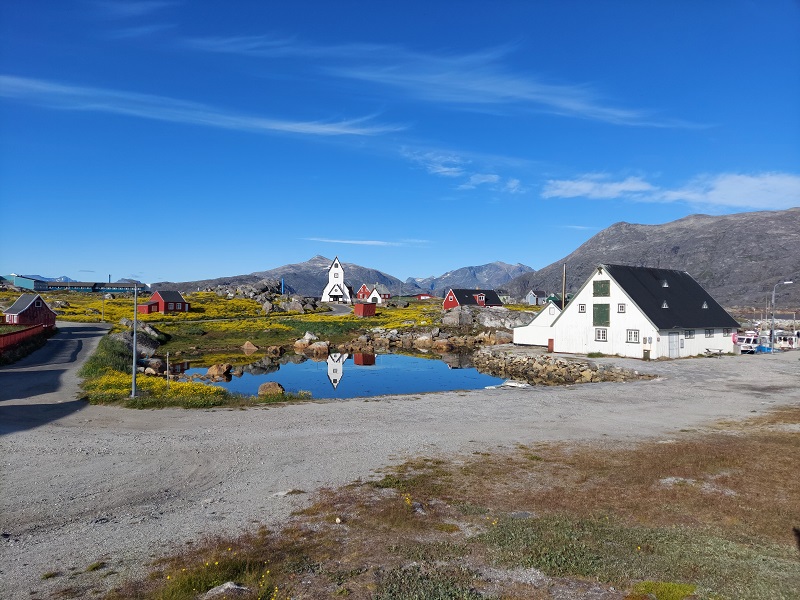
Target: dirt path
{"type": "Point", "coordinates": [123, 486]}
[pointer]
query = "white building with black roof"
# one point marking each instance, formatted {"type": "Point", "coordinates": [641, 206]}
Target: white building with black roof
{"type": "Point", "coordinates": [643, 312]}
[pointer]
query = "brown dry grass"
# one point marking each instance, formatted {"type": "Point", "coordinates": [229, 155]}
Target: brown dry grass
{"type": "Point", "coordinates": [713, 510]}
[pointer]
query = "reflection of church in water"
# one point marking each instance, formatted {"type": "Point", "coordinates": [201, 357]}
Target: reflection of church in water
{"type": "Point", "coordinates": [336, 367]}
{"type": "Point", "coordinates": [336, 362]}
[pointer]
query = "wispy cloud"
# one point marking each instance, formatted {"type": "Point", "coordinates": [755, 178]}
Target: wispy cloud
{"type": "Point", "coordinates": [438, 163]}
{"type": "Point", "coordinates": [479, 179]}
{"type": "Point", "coordinates": [595, 186]}
{"type": "Point", "coordinates": [578, 227]}
{"type": "Point", "coordinates": [475, 81]}
{"type": "Point", "coordinates": [354, 242]}
{"type": "Point", "coordinates": [68, 97]}
{"type": "Point", "coordinates": [769, 191]}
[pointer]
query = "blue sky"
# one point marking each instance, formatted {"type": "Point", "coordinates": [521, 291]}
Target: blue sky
{"type": "Point", "coordinates": [178, 140]}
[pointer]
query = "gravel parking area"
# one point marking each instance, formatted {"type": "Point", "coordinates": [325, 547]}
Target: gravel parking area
{"type": "Point", "coordinates": [84, 484]}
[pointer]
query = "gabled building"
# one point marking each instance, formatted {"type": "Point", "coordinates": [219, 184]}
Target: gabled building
{"type": "Point", "coordinates": [164, 301]}
{"type": "Point", "coordinates": [642, 312]}
{"type": "Point", "coordinates": [536, 298]}
{"type": "Point", "coordinates": [336, 290]}
{"type": "Point", "coordinates": [30, 309]}
{"type": "Point", "coordinates": [539, 331]}
{"type": "Point", "coordinates": [461, 297]}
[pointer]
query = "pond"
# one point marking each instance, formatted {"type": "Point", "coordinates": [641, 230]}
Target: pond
{"type": "Point", "coordinates": [361, 375]}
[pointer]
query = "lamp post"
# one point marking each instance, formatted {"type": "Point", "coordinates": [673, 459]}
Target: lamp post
{"type": "Point", "coordinates": [135, 327]}
{"type": "Point", "coordinates": [772, 331]}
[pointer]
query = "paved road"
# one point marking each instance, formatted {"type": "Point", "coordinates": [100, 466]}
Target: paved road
{"type": "Point", "coordinates": [44, 386]}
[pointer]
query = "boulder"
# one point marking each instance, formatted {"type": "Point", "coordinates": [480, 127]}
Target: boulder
{"type": "Point", "coordinates": [219, 370]}
{"type": "Point", "coordinates": [248, 346]}
{"type": "Point", "coordinates": [267, 307]}
{"type": "Point", "coordinates": [228, 589]}
{"type": "Point", "coordinates": [274, 351]}
{"type": "Point", "coordinates": [271, 388]}
{"type": "Point", "coordinates": [318, 349]}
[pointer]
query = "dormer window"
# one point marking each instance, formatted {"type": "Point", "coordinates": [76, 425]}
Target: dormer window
{"type": "Point", "coordinates": [705, 305]}
{"type": "Point", "coordinates": [664, 283]}
{"type": "Point", "coordinates": [664, 304]}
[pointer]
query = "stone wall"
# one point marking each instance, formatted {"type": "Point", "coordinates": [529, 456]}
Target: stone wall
{"type": "Point", "coordinates": [546, 369]}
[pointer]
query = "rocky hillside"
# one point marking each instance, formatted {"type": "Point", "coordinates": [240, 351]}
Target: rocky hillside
{"type": "Point", "coordinates": [305, 279]}
{"type": "Point", "coordinates": [309, 278]}
{"type": "Point", "coordinates": [489, 276]}
{"type": "Point", "coordinates": [738, 258]}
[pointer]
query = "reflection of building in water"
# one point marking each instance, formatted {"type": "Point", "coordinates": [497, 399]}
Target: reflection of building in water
{"type": "Point", "coordinates": [364, 359]}
{"type": "Point", "coordinates": [336, 367]}
{"type": "Point", "coordinates": [176, 368]}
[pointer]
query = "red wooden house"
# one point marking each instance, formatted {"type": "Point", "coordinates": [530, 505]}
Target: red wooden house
{"type": "Point", "coordinates": [461, 297]}
{"type": "Point", "coordinates": [363, 292]}
{"type": "Point", "coordinates": [30, 309]}
{"type": "Point", "coordinates": [164, 302]}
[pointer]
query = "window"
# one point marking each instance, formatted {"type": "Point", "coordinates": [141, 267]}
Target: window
{"type": "Point", "coordinates": [689, 334]}
{"type": "Point", "coordinates": [581, 308]}
{"type": "Point", "coordinates": [726, 333]}
{"type": "Point", "coordinates": [552, 310]}
{"type": "Point", "coordinates": [178, 305]}
{"type": "Point", "coordinates": [664, 283]}
{"type": "Point", "coordinates": [705, 305]}
{"type": "Point", "coordinates": [601, 335]}
{"type": "Point", "coordinates": [620, 308]}
{"type": "Point", "coordinates": [602, 288]}
{"type": "Point", "coordinates": [38, 304]}
{"type": "Point", "coordinates": [633, 336]}
{"type": "Point", "coordinates": [709, 333]}
{"type": "Point", "coordinates": [171, 306]}
{"type": "Point", "coordinates": [601, 316]}
{"type": "Point", "coordinates": [664, 304]}
{"type": "Point", "coordinates": [336, 276]}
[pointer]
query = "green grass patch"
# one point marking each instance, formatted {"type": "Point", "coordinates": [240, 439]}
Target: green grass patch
{"type": "Point", "coordinates": [415, 584]}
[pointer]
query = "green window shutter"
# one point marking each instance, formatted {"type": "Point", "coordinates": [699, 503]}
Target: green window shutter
{"type": "Point", "coordinates": [602, 288]}
{"type": "Point", "coordinates": [601, 316]}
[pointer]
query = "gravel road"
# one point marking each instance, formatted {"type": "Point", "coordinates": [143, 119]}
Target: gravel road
{"type": "Point", "coordinates": [81, 484]}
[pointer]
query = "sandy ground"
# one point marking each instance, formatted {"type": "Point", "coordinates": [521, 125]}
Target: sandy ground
{"type": "Point", "coordinates": [92, 483]}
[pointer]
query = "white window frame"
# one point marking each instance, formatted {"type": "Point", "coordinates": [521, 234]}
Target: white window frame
{"type": "Point", "coordinates": [726, 332]}
{"type": "Point", "coordinates": [709, 333]}
{"type": "Point", "coordinates": [621, 307]}
{"type": "Point", "coordinates": [581, 308]}
{"type": "Point", "coordinates": [632, 336]}
{"type": "Point", "coordinates": [688, 334]}
{"type": "Point", "coordinates": [601, 334]}
{"type": "Point", "coordinates": [170, 306]}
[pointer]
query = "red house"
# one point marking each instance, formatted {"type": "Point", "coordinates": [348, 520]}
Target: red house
{"type": "Point", "coordinates": [30, 309]}
{"type": "Point", "coordinates": [164, 302]}
{"type": "Point", "coordinates": [461, 297]}
{"type": "Point", "coordinates": [363, 292]}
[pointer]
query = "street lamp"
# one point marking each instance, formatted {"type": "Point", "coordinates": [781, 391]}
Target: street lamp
{"type": "Point", "coordinates": [772, 331]}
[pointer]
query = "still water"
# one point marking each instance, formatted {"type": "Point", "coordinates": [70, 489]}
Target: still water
{"type": "Point", "coordinates": [361, 375]}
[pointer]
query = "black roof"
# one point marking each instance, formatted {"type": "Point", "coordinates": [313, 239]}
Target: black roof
{"type": "Point", "coordinates": [670, 299]}
{"type": "Point", "coordinates": [467, 297]}
{"type": "Point", "coordinates": [170, 296]}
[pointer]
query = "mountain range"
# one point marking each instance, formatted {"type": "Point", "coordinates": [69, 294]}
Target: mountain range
{"type": "Point", "coordinates": [738, 258]}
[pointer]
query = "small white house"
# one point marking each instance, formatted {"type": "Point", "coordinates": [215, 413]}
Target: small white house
{"type": "Point", "coordinates": [538, 331]}
{"type": "Point", "coordinates": [336, 289]}
{"type": "Point", "coordinates": [642, 312]}
{"type": "Point", "coordinates": [536, 298]}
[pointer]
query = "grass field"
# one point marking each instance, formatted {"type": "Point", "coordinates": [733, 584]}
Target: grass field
{"type": "Point", "coordinates": [704, 516]}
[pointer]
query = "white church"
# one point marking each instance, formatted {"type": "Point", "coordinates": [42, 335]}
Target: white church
{"type": "Point", "coordinates": [336, 290]}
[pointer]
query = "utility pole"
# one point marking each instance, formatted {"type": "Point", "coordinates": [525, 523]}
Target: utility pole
{"type": "Point", "coordinates": [135, 327]}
